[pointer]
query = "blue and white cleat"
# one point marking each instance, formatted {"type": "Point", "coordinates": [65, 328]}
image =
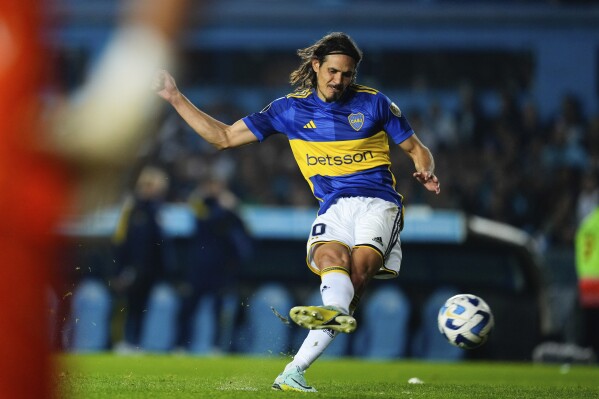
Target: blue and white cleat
{"type": "Point", "coordinates": [323, 317]}
{"type": "Point", "coordinates": [292, 380]}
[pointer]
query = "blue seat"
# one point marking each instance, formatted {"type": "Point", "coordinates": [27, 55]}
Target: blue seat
{"type": "Point", "coordinates": [229, 311]}
{"type": "Point", "coordinates": [263, 332]}
{"type": "Point", "coordinates": [383, 326]}
{"type": "Point", "coordinates": [159, 327]}
{"type": "Point", "coordinates": [205, 326]}
{"type": "Point", "coordinates": [90, 319]}
{"type": "Point", "coordinates": [213, 323]}
{"type": "Point", "coordinates": [338, 348]}
{"type": "Point", "coordinates": [429, 343]}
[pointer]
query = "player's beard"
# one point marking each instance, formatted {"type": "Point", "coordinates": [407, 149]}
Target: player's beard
{"type": "Point", "coordinates": [336, 91]}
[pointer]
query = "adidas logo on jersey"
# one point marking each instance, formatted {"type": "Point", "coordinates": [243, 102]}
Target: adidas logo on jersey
{"type": "Point", "coordinates": [378, 239]}
{"type": "Point", "coordinates": [310, 125]}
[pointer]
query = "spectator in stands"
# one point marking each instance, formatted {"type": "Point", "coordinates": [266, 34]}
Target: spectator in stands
{"type": "Point", "coordinates": [532, 127]}
{"type": "Point", "coordinates": [588, 198]}
{"type": "Point", "coordinates": [470, 119]}
{"type": "Point", "coordinates": [218, 248]}
{"type": "Point", "coordinates": [591, 143]}
{"type": "Point", "coordinates": [570, 129]}
{"type": "Point", "coordinates": [443, 126]}
{"type": "Point", "coordinates": [144, 256]}
{"type": "Point", "coordinates": [510, 112]}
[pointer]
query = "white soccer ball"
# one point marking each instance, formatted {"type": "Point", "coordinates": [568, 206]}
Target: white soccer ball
{"type": "Point", "coordinates": [466, 321]}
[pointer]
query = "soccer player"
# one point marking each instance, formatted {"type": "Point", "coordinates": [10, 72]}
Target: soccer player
{"type": "Point", "coordinates": [338, 132]}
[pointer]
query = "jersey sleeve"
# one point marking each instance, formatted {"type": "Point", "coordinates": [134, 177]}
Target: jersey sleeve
{"type": "Point", "coordinates": [270, 120]}
{"type": "Point", "coordinates": [394, 122]}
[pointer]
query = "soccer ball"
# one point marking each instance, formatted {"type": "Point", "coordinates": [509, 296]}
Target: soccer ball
{"type": "Point", "coordinates": [465, 320]}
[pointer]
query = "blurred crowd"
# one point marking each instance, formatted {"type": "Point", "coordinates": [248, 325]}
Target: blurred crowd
{"type": "Point", "coordinates": [512, 165]}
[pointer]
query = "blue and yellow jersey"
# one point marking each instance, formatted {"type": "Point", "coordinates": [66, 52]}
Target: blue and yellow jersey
{"type": "Point", "coordinates": [342, 147]}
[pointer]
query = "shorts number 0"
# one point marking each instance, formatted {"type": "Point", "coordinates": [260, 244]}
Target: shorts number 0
{"type": "Point", "coordinates": [318, 229]}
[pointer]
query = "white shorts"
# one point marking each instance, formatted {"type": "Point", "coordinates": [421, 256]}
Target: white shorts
{"type": "Point", "coordinates": [361, 222]}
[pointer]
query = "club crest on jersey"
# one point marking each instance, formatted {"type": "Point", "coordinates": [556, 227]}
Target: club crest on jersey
{"type": "Point", "coordinates": [356, 121]}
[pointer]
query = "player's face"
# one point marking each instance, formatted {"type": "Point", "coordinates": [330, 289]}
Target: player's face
{"type": "Point", "coordinates": [334, 75]}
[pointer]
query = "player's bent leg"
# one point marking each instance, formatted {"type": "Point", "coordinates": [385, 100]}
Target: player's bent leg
{"type": "Point", "coordinates": [292, 380]}
{"type": "Point", "coordinates": [366, 262]}
{"type": "Point", "coordinates": [323, 317]}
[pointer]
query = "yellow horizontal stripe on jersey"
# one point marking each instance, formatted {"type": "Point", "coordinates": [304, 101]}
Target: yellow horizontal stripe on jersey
{"type": "Point", "coordinates": [338, 158]}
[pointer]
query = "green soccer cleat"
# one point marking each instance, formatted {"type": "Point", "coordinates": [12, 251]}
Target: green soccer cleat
{"type": "Point", "coordinates": [292, 380]}
{"type": "Point", "coordinates": [323, 317]}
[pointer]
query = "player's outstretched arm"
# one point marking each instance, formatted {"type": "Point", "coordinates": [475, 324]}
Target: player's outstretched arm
{"type": "Point", "coordinates": [217, 133]}
{"type": "Point", "coordinates": [423, 162]}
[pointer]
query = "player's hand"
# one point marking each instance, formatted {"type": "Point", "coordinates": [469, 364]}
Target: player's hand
{"type": "Point", "coordinates": [164, 85]}
{"type": "Point", "coordinates": [428, 180]}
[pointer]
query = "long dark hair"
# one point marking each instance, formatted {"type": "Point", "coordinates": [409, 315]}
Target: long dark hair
{"type": "Point", "coordinates": [304, 76]}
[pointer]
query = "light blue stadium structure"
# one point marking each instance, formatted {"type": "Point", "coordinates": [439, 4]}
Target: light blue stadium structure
{"type": "Point", "coordinates": [89, 326]}
{"type": "Point", "coordinates": [263, 333]}
{"type": "Point", "coordinates": [160, 326]}
{"type": "Point", "coordinates": [384, 325]}
{"type": "Point", "coordinates": [427, 342]}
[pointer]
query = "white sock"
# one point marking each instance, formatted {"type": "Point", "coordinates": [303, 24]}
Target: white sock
{"type": "Point", "coordinates": [313, 346]}
{"type": "Point", "coordinates": [336, 288]}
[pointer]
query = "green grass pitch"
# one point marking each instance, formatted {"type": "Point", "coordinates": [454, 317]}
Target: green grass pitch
{"type": "Point", "coordinates": [178, 376]}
